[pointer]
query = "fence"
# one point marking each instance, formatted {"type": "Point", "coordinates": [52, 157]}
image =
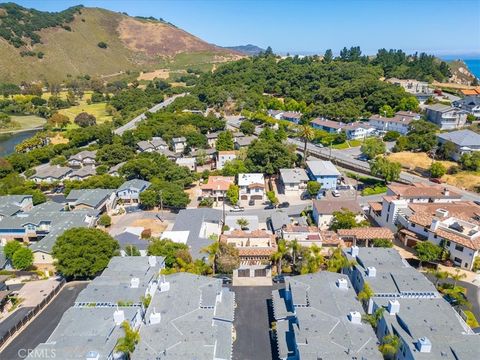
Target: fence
{"type": "Point", "coordinates": [31, 314]}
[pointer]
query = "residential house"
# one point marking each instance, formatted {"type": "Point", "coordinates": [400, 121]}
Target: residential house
{"type": "Point", "coordinates": [252, 186]}
{"type": "Point", "coordinates": [276, 114]}
{"type": "Point", "coordinates": [353, 131]}
{"type": "Point", "coordinates": [471, 104]}
{"type": "Point", "coordinates": [50, 173]}
{"type": "Point", "coordinates": [83, 158]}
{"type": "Point", "coordinates": [224, 156]}
{"type": "Point", "coordinates": [323, 172]}
{"type": "Point", "coordinates": [292, 116]}
{"type": "Point", "coordinates": [323, 211]}
{"type": "Point", "coordinates": [420, 89]}
{"type": "Point", "coordinates": [189, 317]}
{"type": "Point", "coordinates": [254, 247]}
{"type": "Point", "coordinates": [204, 156]}
{"type": "Point", "coordinates": [427, 329]}
{"type": "Point", "coordinates": [130, 190]}
{"type": "Point", "coordinates": [212, 139]}
{"type": "Point", "coordinates": [244, 141]}
{"type": "Point", "coordinates": [114, 170]}
{"type": "Point", "coordinates": [101, 200]}
{"type": "Point", "coordinates": [145, 146]}
{"type": "Point", "coordinates": [318, 317]}
{"type": "Point", "coordinates": [131, 239]}
{"type": "Point", "coordinates": [294, 180]}
{"type": "Point", "coordinates": [364, 236]}
{"type": "Point", "coordinates": [446, 117]}
{"type": "Point", "coordinates": [11, 205]}
{"type": "Point", "coordinates": [217, 187]}
{"type": "Point", "coordinates": [399, 123]}
{"type": "Point", "coordinates": [179, 144]}
{"type": "Point", "coordinates": [189, 162]}
{"type": "Point", "coordinates": [158, 143]}
{"type": "Point", "coordinates": [465, 141]}
{"type": "Point", "coordinates": [83, 172]}
{"type": "Point", "coordinates": [251, 222]}
{"type": "Point", "coordinates": [311, 235]}
{"type": "Point", "coordinates": [454, 226]}
{"type": "Point", "coordinates": [277, 221]}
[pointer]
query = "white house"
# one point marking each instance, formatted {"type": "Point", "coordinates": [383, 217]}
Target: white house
{"type": "Point", "coordinates": [446, 117]}
{"type": "Point", "coordinates": [465, 141]}
{"type": "Point", "coordinates": [294, 180]}
{"type": "Point", "coordinates": [188, 162]}
{"type": "Point", "coordinates": [353, 131]}
{"type": "Point", "coordinates": [179, 144]}
{"type": "Point", "coordinates": [50, 173]}
{"type": "Point", "coordinates": [252, 186]}
{"type": "Point", "coordinates": [83, 158]}
{"type": "Point", "coordinates": [130, 190]}
{"type": "Point", "coordinates": [399, 123]}
{"type": "Point", "coordinates": [323, 211]}
{"type": "Point", "coordinates": [224, 156]}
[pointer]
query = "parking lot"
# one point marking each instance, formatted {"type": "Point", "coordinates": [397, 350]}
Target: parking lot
{"type": "Point", "coordinates": [252, 323]}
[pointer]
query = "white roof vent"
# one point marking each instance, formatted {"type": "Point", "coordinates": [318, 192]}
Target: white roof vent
{"type": "Point", "coordinates": [355, 317]}
{"type": "Point", "coordinates": [342, 284]}
{"type": "Point", "coordinates": [434, 225]}
{"type": "Point", "coordinates": [152, 261]}
{"type": "Point", "coordinates": [424, 345]}
{"type": "Point", "coordinates": [393, 307]}
{"type": "Point", "coordinates": [134, 283]}
{"type": "Point", "coordinates": [118, 317]}
{"type": "Point", "coordinates": [371, 271]}
{"type": "Point", "coordinates": [354, 250]}
{"type": "Point", "coordinates": [164, 285]}
{"type": "Point", "coordinates": [155, 317]}
{"type": "Point", "coordinates": [441, 213]}
{"type": "Point", "coordinates": [92, 355]}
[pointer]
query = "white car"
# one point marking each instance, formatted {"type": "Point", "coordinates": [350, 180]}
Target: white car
{"type": "Point", "coordinates": [335, 193]}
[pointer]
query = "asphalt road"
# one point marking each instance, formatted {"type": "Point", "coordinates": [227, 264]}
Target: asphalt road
{"type": "Point", "coordinates": [252, 323]}
{"type": "Point", "coordinates": [42, 326]}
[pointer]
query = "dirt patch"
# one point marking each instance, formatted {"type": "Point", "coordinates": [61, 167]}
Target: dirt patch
{"type": "Point", "coordinates": [159, 74]}
{"type": "Point", "coordinates": [58, 139]}
{"type": "Point", "coordinates": [154, 38]}
{"type": "Point", "coordinates": [155, 225]}
{"type": "Point", "coordinates": [416, 161]}
{"type": "Point", "coordinates": [466, 180]}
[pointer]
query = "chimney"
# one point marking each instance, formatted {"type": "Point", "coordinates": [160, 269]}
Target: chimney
{"type": "Point", "coordinates": [371, 271]}
{"type": "Point", "coordinates": [393, 307]}
{"type": "Point", "coordinates": [441, 213]}
{"type": "Point", "coordinates": [342, 284]}
{"type": "Point", "coordinates": [155, 317]}
{"type": "Point", "coordinates": [355, 317]}
{"type": "Point", "coordinates": [134, 283]}
{"type": "Point", "coordinates": [152, 261]}
{"type": "Point", "coordinates": [424, 345]}
{"type": "Point", "coordinates": [446, 192]}
{"type": "Point", "coordinates": [434, 225]}
{"type": "Point", "coordinates": [354, 251]}
{"type": "Point", "coordinates": [164, 285]}
{"type": "Point", "coordinates": [118, 317]}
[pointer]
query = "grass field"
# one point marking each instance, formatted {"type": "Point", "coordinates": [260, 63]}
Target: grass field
{"type": "Point", "coordinates": [347, 144]}
{"type": "Point", "coordinates": [25, 122]}
{"type": "Point", "coordinates": [466, 179]}
{"type": "Point", "coordinates": [416, 161]}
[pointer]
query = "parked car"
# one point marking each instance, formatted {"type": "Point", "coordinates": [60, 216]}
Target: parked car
{"type": "Point", "coordinates": [269, 207]}
{"type": "Point", "coordinates": [436, 181]}
{"type": "Point", "coordinates": [362, 157]}
{"type": "Point", "coordinates": [335, 193]}
{"type": "Point", "coordinates": [284, 204]}
{"type": "Point", "coordinates": [318, 145]}
{"type": "Point", "coordinates": [237, 208]}
{"type": "Point", "coordinates": [251, 202]}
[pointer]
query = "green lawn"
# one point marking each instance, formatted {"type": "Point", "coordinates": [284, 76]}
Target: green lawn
{"type": "Point", "coordinates": [25, 122]}
{"type": "Point", "coordinates": [347, 144]}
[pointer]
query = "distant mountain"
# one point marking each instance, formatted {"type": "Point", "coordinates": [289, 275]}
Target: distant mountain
{"type": "Point", "coordinates": [36, 45]}
{"type": "Point", "coordinates": [246, 49]}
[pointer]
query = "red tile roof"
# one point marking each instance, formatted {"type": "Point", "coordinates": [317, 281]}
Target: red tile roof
{"type": "Point", "coordinates": [216, 183]}
{"type": "Point", "coordinates": [421, 190]}
{"type": "Point", "coordinates": [367, 233]}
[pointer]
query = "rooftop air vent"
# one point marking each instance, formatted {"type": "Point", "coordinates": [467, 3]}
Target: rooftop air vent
{"type": "Point", "coordinates": [393, 307]}
{"type": "Point", "coordinates": [354, 251]}
{"type": "Point", "coordinates": [424, 345]}
{"type": "Point", "coordinates": [134, 282]}
{"type": "Point", "coordinates": [342, 284]}
{"type": "Point", "coordinates": [118, 317]}
{"type": "Point", "coordinates": [152, 261]}
{"type": "Point", "coordinates": [355, 317]}
{"type": "Point", "coordinates": [155, 317]}
{"type": "Point", "coordinates": [371, 271]}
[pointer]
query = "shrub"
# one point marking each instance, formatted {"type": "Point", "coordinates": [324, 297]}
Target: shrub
{"type": "Point", "coordinates": [102, 45]}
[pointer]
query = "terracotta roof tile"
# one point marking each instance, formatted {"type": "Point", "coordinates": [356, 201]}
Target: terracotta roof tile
{"type": "Point", "coordinates": [421, 190]}
{"type": "Point", "coordinates": [367, 233]}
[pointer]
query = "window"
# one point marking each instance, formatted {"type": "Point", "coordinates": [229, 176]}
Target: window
{"type": "Point", "coordinates": [457, 260]}
{"type": "Point", "coordinates": [458, 247]}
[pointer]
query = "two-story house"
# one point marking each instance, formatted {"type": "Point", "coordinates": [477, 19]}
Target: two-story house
{"type": "Point", "coordinates": [224, 156]}
{"type": "Point", "coordinates": [323, 172]}
{"type": "Point", "coordinates": [252, 186]}
{"type": "Point", "coordinates": [129, 191]}
{"type": "Point", "coordinates": [353, 131]}
{"type": "Point", "coordinates": [83, 158]}
{"type": "Point", "coordinates": [465, 141]}
{"type": "Point", "coordinates": [217, 187]}
{"type": "Point", "coordinates": [399, 123]}
{"type": "Point", "coordinates": [179, 144]}
{"type": "Point", "coordinates": [470, 104]}
{"type": "Point", "coordinates": [446, 117]}
{"type": "Point", "coordinates": [323, 211]}
{"type": "Point", "coordinates": [294, 180]}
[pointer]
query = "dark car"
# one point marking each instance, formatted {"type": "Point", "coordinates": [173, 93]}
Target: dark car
{"type": "Point", "coordinates": [284, 205]}
{"type": "Point", "coordinates": [435, 180]}
{"type": "Point", "coordinates": [269, 207]}
{"type": "Point", "coordinates": [251, 202]}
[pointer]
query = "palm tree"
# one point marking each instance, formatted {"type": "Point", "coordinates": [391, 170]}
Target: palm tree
{"type": "Point", "coordinates": [374, 318]}
{"type": "Point", "coordinates": [439, 275]}
{"type": "Point", "coordinates": [212, 251]}
{"type": "Point", "coordinates": [337, 261]}
{"type": "Point", "coordinates": [294, 248]}
{"type": "Point", "coordinates": [366, 293]}
{"type": "Point", "coordinates": [127, 343]}
{"type": "Point", "coordinates": [278, 256]}
{"type": "Point", "coordinates": [457, 276]}
{"type": "Point", "coordinates": [307, 134]}
{"type": "Point", "coordinates": [389, 347]}
{"type": "Point", "coordinates": [318, 258]}
{"type": "Point", "coordinates": [243, 223]}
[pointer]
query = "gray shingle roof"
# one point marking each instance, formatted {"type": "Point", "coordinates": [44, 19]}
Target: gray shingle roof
{"type": "Point", "coordinates": [83, 155]}
{"type": "Point", "coordinates": [89, 197]}
{"type": "Point", "coordinates": [47, 171]}
{"type": "Point", "coordinates": [462, 138]}
{"type": "Point", "coordinates": [134, 184]}
{"type": "Point", "coordinates": [322, 168]}
{"type": "Point", "coordinates": [84, 171]}
{"type": "Point", "coordinates": [293, 176]}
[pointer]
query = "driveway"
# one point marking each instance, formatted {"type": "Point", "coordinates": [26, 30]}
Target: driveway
{"type": "Point", "coordinates": [252, 323]}
{"type": "Point", "coordinates": [42, 326]}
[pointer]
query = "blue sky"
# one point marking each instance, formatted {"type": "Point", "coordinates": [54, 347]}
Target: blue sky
{"type": "Point", "coordinates": [436, 26]}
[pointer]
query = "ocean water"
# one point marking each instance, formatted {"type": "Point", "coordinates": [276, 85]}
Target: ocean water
{"type": "Point", "coordinates": [474, 66]}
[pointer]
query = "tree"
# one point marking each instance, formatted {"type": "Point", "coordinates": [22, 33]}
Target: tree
{"type": "Point", "coordinates": [212, 251]}
{"type": "Point", "coordinates": [234, 167]}
{"type": "Point", "coordinates": [149, 199]}
{"type": "Point", "coordinates": [278, 256]}
{"type": "Point", "coordinates": [224, 141]}
{"type": "Point", "coordinates": [83, 252]}
{"type": "Point", "coordinates": [391, 135]}
{"type": "Point", "coordinates": [307, 134]}
{"type": "Point", "coordinates": [386, 110]}
{"type": "Point", "coordinates": [102, 45]}
{"type": "Point", "coordinates": [85, 119]}
{"type": "Point", "coordinates": [272, 197]}
{"type": "Point", "coordinates": [384, 243]}
{"type": "Point", "coordinates": [105, 220]}
{"type": "Point", "coordinates": [344, 219]}
{"type": "Point", "coordinates": [166, 248]}
{"type": "Point", "coordinates": [437, 170]}
{"type": "Point", "coordinates": [294, 248]}
{"type": "Point", "coordinates": [389, 347]}
{"type": "Point", "coordinates": [328, 56]}
{"type": "Point", "coordinates": [457, 276]}
{"type": "Point", "coordinates": [232, 194]}
{"type": "Point", "coordinates": [366, 294]}
{"type": "Point", "coordinates": [10, 248]}
{"type": "Point", "coordinates": [439, 275]}
{"type": "Point", "coordinates": [127, 343]}
{"type": "Point", "coordinates": [227, 258]}
{"type": "Point", "coordinates": [373, 147]}
{"type": "Point", "coordinates": [382, 167]}
{"type": "Point", "coordinates": [243, 223]}
{"type": "Point", "coordinates": [22, 258]}
{"type": "Point", "coordinates": [247, 127]}
{"type": "Point", "coordinates": [427, 251]}
{"type": "Point", "coordinates": [374, 318]}
{"type": "Point", "coordinates": [269, 156]}
{"type": "Point", "coordinates": [59, 121]}
{"type": "Point", "coordinates": [446, 150]}
{"type": "Point", "coordinates": [313, 187]}
{"type": "Point", "coordinates": [131, 250]}
{"type": "Point", "coordinates": [337, 261]}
